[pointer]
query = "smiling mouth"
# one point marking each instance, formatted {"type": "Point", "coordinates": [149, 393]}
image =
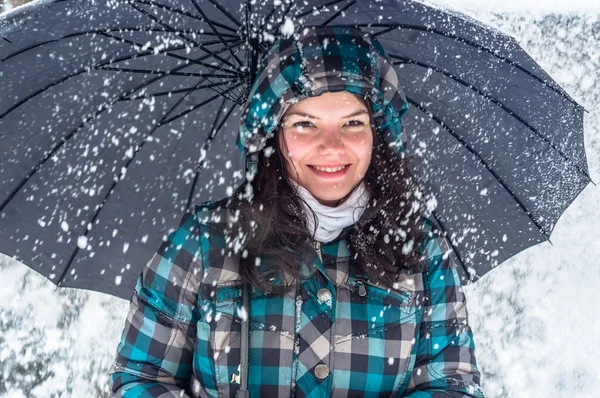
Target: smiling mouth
{"type": "Point", "coordinates": [329, 169]}
{"type": "Point", "coordinates": [330, 172]}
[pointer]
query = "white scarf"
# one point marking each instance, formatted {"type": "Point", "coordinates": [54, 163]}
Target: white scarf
{"type": "Point", "coordinates": [331, 220]}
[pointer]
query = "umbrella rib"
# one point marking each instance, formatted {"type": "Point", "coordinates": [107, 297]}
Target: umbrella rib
{"type": "Point", "coordinates": [476, 45]}
{"type": "Point", "coordinates": [213, 88]}
{"type": "Point", "coordinates": [337, 14]}
{"type": "Point", "coordinates": [285, 12]}
{"type": "Point", "coordinates": [157, 72]}
{"type": "Point", "coordinates": [105, 33]}
{"type": "Point", "coordinates": [475, 212]}
{"type": "Point", "coordinates": [187, 14]}
{"type": "Point", "coordinates": [182, 90]}
{"type": "Point", "coordinates": [152, 49]}
{"type": "Point", "coordinates": [382, 32]}
{"type": "Point", "coordinates": [228, 89]}
{"type": "Point", "coordinates": [270, 15]}
{"type": "Point", "coordinates": [146, 208]}
{"type": "Point", "coordinates": [160, 51]}
{"type": "Point", "coordinates": [32, 95]}
{"type": "Point", "coordinates": [197, 106]}
{"type": "Point", "coordinates": [481, 161]}
{"type": "Point", "coordinates": [136, 29]}
{"type": "Point", "coordinates": [213, 130]}
{"type": "Point", "coordinates": [318, 8]}
{"type": "Point", "coordinates": [197, 45]}
{"type": "Point", "coordinates": [212, 74]}
{"type": "Point", "coordinates": [110, 191]}
{"type": "Point", "coordinates": [72, 133]}
{"type": "Point", "coordinates": [165, 25]}
{"type": "Point", "coordinates": [495, 101]}
{"type": "Point", "coordinates": [230, 72]}
{"type": "Point", "coordinates": [143, 54]}
{"type": "Point", "coordinates": [86, 69]}
{"type": "Point", "coordinates": [206, 145]}
{"type": "Point", "coordinates": [223, 121]}
{"type": "Point", "coordinates": [174, 72]}
{"type": "Point", "coordinates": [226, 13]}
{"type": "Point", "coordinates": [209, 22]}
{"type": "Point", "coordinates": [204, 149]}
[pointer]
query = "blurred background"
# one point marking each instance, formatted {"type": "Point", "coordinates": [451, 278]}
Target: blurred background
{"type": "Point", "coordinates": [6, 5]}
{"type": "Point", "coordinates": [534, 318]}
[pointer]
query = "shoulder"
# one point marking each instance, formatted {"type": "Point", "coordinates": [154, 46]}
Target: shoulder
{"type": "Point", "coordinates": [435, 248]}
{"type": "Point", "coordinates": [221, 267]}
{"type": "Point", "coordinates": [440, 262]}
{"type": "Point", "coordinates": [431, 244]}
{"type": "Point", "coordinates": [215, 212]}
{"type": "Point", "coordinates": [216, 220]}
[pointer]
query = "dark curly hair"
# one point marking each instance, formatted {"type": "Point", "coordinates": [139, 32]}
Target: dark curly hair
{"type": "Point", "coordinates": [270, 219]}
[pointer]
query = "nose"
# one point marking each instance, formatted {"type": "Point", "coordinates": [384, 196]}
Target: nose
{"type": "Point", "coordinates": [332, 142]}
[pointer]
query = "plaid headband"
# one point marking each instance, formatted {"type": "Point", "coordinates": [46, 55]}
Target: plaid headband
{"type": "Point", "coordinates": [315, 61]}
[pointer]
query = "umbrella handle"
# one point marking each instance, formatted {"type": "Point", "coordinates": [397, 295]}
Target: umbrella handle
{"type": "Point", "coordinates": [243, 391]}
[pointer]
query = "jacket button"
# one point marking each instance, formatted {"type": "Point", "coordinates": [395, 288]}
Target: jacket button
{"type": "Point", "coordinates": [324, 295]}
{"type": "Point", "coordinates": [321, 371]}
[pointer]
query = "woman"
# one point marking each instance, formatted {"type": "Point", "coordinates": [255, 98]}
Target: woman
{"type": "Point", "coordinates": [352, 292]}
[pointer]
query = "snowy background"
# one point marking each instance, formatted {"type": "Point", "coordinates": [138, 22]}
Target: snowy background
{"type": "Point", "coordinates": [535, 318]}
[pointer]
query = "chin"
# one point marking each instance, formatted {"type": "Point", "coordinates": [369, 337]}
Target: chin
{"type": "Point", "coordinates": [331, 200]}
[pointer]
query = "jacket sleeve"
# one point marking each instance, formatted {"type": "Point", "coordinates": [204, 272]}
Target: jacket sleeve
{"type": "Point", "coordinates": [155, 354]}
{"type": "Point", "coordinates": [445, 364]}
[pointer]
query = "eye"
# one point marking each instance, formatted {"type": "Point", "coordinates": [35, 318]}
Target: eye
{"type": "Point", "coordinates": [303, 124]}
{"type": "Point", "coordinates": [354, 123]}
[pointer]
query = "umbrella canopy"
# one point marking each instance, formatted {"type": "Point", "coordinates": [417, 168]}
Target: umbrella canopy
{"type": "Point", "coordinates": [117, 116]}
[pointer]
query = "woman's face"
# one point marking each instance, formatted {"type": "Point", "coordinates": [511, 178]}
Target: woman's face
{"type": "Point", "coordinates": [328, 132]}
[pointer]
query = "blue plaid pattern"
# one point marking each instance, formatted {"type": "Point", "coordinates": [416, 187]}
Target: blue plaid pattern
{"type": "Point", "coordinates": [182, 333]}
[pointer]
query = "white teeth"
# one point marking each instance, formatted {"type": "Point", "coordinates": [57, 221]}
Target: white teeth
{"type": "Point", "coordinates": [330, 170]}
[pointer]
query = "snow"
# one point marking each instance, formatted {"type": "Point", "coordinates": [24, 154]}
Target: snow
{"type": "Point", "coordinates": [66, 331]}
{"type": "Point", "coordinates": [519, 6]}
{"type": "Point", "coordinates": [533, 319]}
{"type": "Point", "coordinates": [287, 29]}
{"type": "Point", "coordinates": [9, 9]}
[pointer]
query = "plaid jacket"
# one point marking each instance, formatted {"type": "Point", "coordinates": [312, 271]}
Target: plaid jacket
{"type": "Point", "coordinates": [337, 335]}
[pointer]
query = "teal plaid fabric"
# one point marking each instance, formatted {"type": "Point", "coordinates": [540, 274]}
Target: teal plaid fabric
{"type": "Point", "coordinates": [318, 60]}
{"type": "Point", "coordinates": [335, 335]}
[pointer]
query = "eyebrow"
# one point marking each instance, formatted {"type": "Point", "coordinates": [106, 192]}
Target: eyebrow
{"type": "Point", "coordinates": [304, 114]}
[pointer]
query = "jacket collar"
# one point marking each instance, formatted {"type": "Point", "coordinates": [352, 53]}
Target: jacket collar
{"type": "Point", "coordinates": [336, 258]}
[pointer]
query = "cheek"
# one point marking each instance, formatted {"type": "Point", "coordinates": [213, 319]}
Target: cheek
{"type": "Point", "coordinates": [297, 147]}
{"type": "Point", "coordinates": [364, 148]}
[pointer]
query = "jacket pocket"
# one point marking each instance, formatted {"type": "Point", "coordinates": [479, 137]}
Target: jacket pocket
{"type": "Point", "coordinates": [401, 299]}
{"type": "Point", "coordinates": [376, 332]}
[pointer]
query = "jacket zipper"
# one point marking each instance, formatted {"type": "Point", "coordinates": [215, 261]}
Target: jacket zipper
{"type": "Point", "coordinates": [317, 245]}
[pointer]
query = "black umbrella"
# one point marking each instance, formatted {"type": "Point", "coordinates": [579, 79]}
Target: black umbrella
{"type": "Point", "coordinates": [117, 116]}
